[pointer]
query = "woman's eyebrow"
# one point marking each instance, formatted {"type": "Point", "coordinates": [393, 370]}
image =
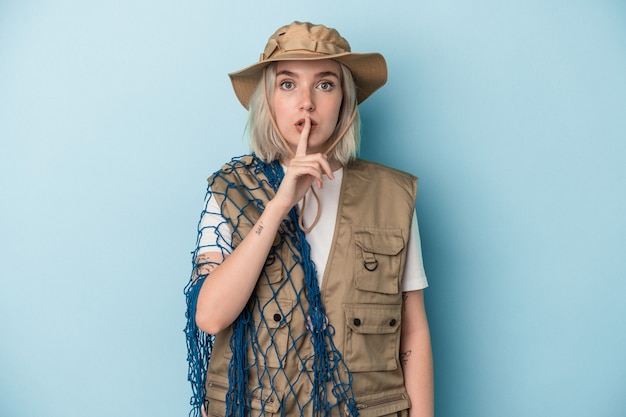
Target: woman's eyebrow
{"type": "Point", "coordinates": [327, 74]}
{"type": "Point", "coordinates": [322, 74]}
{"type": "Point", "coordinates": [287, 73]}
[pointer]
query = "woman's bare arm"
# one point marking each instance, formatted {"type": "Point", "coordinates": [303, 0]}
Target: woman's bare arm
{"type": "Point", "coordinates": [228, 287]}
{"type": "Point", "coordinates": [416, 355]}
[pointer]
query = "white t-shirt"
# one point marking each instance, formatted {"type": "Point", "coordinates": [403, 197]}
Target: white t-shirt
{"type": "Point", "coordinates": [214, 232]}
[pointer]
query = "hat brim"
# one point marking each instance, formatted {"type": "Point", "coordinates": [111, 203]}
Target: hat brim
{"type": "Point", "coordinates": [369, 71]}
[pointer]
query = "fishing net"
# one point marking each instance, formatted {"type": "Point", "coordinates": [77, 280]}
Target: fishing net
{"type": "Point", "coordinates": [242, 188]}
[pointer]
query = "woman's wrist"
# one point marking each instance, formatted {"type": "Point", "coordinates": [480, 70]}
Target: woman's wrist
{"type": "Point", "coordinates": [278, 208]}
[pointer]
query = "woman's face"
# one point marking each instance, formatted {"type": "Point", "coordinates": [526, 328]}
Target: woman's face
{"type": "Point", "coordinates": [308, 86]}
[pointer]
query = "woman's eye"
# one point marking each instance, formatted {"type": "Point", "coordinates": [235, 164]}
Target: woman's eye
{"type": "Point", "coordinates": [286, 85]}
{"type": "Point", "coordinates": [326, 85]}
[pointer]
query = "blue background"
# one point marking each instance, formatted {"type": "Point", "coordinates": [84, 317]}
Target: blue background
{"type": "Point", "coordinates": [512, 113]}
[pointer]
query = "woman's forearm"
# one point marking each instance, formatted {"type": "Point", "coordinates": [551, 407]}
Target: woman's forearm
{"type": "Point", "coordinates": [228, 287]}
{"type": "Point", "coordinates": [416, 356]}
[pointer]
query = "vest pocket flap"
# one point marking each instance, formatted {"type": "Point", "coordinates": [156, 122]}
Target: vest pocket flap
{"type": "Point", "coordinates": [267, 402]}
{"type": "Point", "coordinates": [378, 259]}
{"type": "Point", "coordinates": [271, 324]}
{"type": "Point", "coordinates": [385, 241]}
{"type": "Point", "coordinates": [276, 313]}
{"type": "Point", "coordinates": [373, 318]}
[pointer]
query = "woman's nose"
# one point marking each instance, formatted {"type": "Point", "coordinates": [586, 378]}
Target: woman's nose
{"type": "Point", "coordinates": [306, 101]}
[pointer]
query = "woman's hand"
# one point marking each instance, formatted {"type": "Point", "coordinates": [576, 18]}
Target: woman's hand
{"type": "Point", "coordinates": [302, 171]}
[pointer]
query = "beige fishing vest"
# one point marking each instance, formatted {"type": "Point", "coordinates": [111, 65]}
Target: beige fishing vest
{"type": "Point", "coordinates": [361, 292]}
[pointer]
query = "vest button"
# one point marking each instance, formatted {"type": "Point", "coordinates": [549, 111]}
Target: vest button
{"type": "Point", "coordinates": [392, 322]}
{"type": "Point", "coordinates": [277, 317]}
{"type": "Point", "coordinates": [357, 322]}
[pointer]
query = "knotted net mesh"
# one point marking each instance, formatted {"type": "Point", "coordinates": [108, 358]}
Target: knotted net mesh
{"type": "Point", "coordinates": [283, 357]}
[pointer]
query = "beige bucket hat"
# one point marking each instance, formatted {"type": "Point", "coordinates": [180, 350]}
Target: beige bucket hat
{"type": "Point", "coordinates": [306, 41]}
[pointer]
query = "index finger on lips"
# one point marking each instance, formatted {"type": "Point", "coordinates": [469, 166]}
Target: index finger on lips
{"type": "Point", "coordinates": [304, 136]}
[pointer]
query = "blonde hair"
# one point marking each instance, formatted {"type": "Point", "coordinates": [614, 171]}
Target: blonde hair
{"type": "Point", "coordinates": [265, 141]}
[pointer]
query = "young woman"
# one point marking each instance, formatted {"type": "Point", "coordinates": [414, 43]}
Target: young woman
{"type": "Point", "coordinates": [306, 296]}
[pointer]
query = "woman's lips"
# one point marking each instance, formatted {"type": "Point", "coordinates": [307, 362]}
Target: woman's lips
{"type": "Point", "coordinates": [300, 125]}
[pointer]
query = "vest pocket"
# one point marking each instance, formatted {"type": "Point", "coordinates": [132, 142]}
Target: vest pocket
{"type": "Point", "coordinates": [378, 261]}
{"type": "Point", "coordinates": [271, 319]}
{"type": "Point", "coordinates": [372, 336]}
{"type": "Point", "coordinates": [267, 403]}
{"type": "Point", "coordinates": [216, 396]}
{"type": "Point", "coordinates": [388, 403]}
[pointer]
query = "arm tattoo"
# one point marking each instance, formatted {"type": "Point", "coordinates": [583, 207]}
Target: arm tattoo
{"type": "Point", "coordinates": [259, 229]}
{"type": "Point", "coordinates": [404, 357]}
{"type": "Point", "coordinates": [204, 266]}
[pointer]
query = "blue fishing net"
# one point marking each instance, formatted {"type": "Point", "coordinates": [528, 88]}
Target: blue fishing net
{"type": "Point", "coordinates": [243, 187]}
